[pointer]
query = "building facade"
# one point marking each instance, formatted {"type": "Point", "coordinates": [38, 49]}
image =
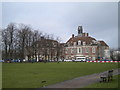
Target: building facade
{"type": "Point", "coordinates": [43, 49]}
{"type": "Point", "coordinates": [85, 46]}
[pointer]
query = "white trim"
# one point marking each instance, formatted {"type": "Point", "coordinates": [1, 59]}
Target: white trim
{"type": "Point", "coordinates": [79, 50]}
{"type": "Point", "coordinates": [84, 43]}
{"type": "Point", "coordinates": [74, 44]}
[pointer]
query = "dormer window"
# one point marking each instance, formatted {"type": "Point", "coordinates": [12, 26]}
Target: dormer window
{"type": "Point", "coordinates": [54, 44]}
{"type": "Point", "coordinates": [74, 43]}
{"type": "Point", "coordinates": [68, 44]}
{"type": "Point", "coordinates": [79, 42]}
{"type": "Point", "coordinates": [84, 43]}
{"type": "Point", "coordinates": [94, 42]}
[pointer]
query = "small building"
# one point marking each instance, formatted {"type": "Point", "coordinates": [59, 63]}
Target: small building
{"type": "Point", "coordinates": [43, 49]}
{"type": "Point", "coordinates": [116, 55]}
{"type": "Point", "coordinates": [85, 46]}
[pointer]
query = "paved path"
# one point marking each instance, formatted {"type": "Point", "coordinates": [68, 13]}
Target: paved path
{"type": "Point", "coordinates": [81, 81]}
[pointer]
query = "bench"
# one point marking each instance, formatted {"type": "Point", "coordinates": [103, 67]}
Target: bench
{"type": "Point", "coordinates": [107, 76]}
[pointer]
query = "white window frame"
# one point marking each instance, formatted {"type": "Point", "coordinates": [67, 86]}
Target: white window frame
{"type": "Point", "coordinates": [79, 50]}
{"type": "Point", "coordinates": [93, 50]}
{"type": "Point", "coordinates": [66, 51]}
{"type": "Point", "coordinates": [72, 50]}
{"type": "Point", "coordinates": [87, 50]}
{"type": "Point", "coordinates": [84, 43]}
{"type": "Point", "coordinates": [79, 42]}
{"type": "Point", "coordinates": [74, 43]}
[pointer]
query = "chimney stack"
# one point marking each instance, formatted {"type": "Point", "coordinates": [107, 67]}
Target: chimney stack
{"type": "Point", "coordinates": [86, 34]}
{"type": "Point", "coordinates": [72, 35]}
{"type": "Point", "coordinates": [42, 38]}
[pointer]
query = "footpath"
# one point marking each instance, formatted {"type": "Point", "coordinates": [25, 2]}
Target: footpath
{"type": "Point", "coordinates": [81, 82]}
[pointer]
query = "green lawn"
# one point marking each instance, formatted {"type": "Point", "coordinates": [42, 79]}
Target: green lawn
{"type": "Point", "coordinates": [30, 75]}
{"type": "Point", "coordinates": [111, 84]}
{"type": "Point", "coordinates": [0, 75]}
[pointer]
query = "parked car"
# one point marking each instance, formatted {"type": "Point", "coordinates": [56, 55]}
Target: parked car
{"type": "Point", "coordinates": [68, 60]}
{"type": "Point", "coordinates": [1, 60]}
{"type": "Point", "coordinates": [105, 60]}
{"type": "Point", "coordinates": [88, 60]}
{"type": "Point", "coordinates": [81, 59]}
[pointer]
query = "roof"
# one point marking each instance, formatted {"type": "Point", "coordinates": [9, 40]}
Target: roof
{"type": "Point", "coordinates": [88, 39]}
{"type": "Point", "coordinates": [103, 43]}
{"type": "Point", "coordinates": [62, 43]}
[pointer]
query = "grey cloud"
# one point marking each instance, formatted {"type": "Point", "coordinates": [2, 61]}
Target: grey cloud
{"type": "Point", "coordinates": [100, 20]}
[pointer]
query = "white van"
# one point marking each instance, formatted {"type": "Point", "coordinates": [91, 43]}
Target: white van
{"type": "Point", "coordinates": [81, 59]}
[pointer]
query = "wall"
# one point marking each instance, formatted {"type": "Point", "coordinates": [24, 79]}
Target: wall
{"type": "Point", "coordinates": [73, 51]}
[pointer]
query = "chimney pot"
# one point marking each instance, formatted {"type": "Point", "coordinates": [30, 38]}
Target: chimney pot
{"type": "Point", "coordinates": [72, 35]}
{"type": "Point", "coordinates": [87, 34]}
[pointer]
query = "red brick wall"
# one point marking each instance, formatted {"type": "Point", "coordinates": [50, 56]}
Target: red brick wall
{"type": "Point", "coordinates": [83, 51]}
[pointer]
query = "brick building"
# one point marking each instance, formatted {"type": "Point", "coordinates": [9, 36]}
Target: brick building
{"type": "Point", "coordinates": [43, 49]}
{"type": "Point", "coordinates": [85, 46]}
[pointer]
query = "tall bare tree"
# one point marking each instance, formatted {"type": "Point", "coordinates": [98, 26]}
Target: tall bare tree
{"type": "Point", "coordinates": [8, 40]}
{"type": "Point", "coordinates": [58, 48]}
{"type": "Point", "coordinates": [20, 41]}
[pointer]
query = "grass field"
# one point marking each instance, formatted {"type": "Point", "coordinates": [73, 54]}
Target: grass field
{"type": "Point", "coordinates": [111, 84]}
{"type": "Point", "coordinates": [30, 75]}
{"type": "Point", "coordinates": [0, 75]}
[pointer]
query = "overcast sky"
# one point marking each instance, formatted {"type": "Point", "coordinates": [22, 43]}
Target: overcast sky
{"type": "Point", "coordinates": [62, 19]}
